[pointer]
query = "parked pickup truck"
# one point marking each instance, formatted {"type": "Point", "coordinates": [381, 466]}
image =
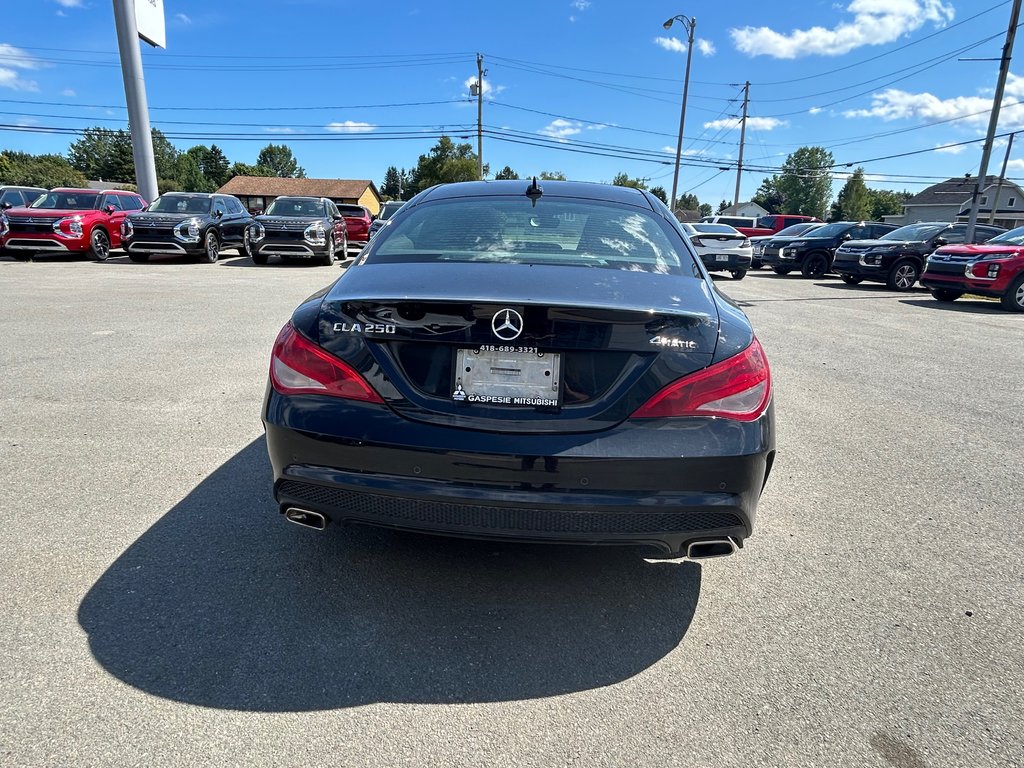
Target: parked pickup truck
{"type": "Point", "coordinates": [766, 225]}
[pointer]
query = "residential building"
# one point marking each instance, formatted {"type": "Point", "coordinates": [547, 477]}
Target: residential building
{"type": "Point", "coordinates": [950, 201]}
{"type": "Point", "coordinates": [257, 192]}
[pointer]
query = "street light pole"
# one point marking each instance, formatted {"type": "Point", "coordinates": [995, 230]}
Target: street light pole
{"type": "Point", "coordinates": [689, 23]}
{"type": "Point", "coordinates": [135, 96]}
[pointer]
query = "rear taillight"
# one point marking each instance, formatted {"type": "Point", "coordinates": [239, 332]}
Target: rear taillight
{"type": "Point", "coordinates": [300, 367]}
{"type": "Point", "coordinates": [739, 388]}
{"type": "Point", "coordinates": [696, 242]}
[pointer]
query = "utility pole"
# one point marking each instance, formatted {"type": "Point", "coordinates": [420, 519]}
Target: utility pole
{"type": "Point", "coordinates": [999, 183]}
{"type": "Point", "coordinates": [743, 135]}
{"type": "Point", "coordinates": [480, 113]}
{"type": "Point", "coordinates": [689, 23]}
{"type": "Point", "coordinates": [986, 152]}
{"type": "Point", "coordinates": [135, 95]}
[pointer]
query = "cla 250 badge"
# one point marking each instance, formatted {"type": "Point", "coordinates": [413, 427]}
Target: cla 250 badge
{"type": "Point", "coordinates": [363, 328]}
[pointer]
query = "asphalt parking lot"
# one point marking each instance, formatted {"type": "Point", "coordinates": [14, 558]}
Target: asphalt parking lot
{"type": "Point", "coordinates": [158, 611]}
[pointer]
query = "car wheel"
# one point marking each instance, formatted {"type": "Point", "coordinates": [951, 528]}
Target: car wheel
{"type": "Point", "coordinates": [328, 258]}
{"type": "Point", "coordinates": [258, 258]}
{"type": "Point", "coordinates": [211, 247]}
{"type": "Point", "coordinates": [851, 279]}
{"type": "Point", "coordinates": [946, 294]}
{"type": "Point", "coordinates": [246, 249]}
{"type": "Point", "coordinates": [99, 245]}
{"type": "Point", "coordinates": [815, 266]}
{"type": "Point", "coordinates": [738, 274]}
{"type": "Point", "coordinates": [1013, 299]}
{"type": "Point", "coordinates": [781, 270]}
{"type": "Point", "coordinates": [902, 276]}
{"type": "Point", "coordinates": [138, 258]}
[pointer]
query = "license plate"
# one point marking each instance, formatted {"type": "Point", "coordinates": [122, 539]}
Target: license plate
{"type": "Point", "coordinates": [507, 375]}
{"type": "Point", "coordinates": [721, 257]}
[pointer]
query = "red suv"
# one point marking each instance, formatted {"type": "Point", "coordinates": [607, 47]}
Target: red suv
{"type": "Point", "coordinates": [994, 269]}
{"type": "Point", "coordinates": [68, 220]}
{"type": "Point", "coordinates": [358, 220]}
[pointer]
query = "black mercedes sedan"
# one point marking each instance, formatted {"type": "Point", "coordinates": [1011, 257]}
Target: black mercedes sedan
{"type": "Point", "coordinates": [299, 228]}
{"type": "Point", "coordinates": [187, 224]}
{"type": "Point", "coordinates": [505, 360]}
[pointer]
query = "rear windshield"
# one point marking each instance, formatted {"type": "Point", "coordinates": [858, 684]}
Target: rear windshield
{"type": "Point", "coordinates": [180, 204]}
{"type": "Point", "coordinates": [352, 210]}
{"type": "Point", "coordinates": [67, 201]}
{"type": "Point", "coordinates": [388, 210]}
{"type": "Point", "coordinates": [717, 229]}
{"type": "Point", "coordinates": [796, 229]}
{"type": "Point", "coordinates": [914, 232]}
{"type": "Point", "coordinates": [284, 206]}
{"type": "Point", "coordinates": [558, 231]}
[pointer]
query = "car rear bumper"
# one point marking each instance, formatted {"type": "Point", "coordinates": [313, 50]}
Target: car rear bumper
{"type": "Point", "coordinates": [653, 483]}
{"type": "Point", "coordinates": [712, 261]}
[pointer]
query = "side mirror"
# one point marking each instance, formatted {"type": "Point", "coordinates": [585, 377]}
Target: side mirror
{"type": "Point", "coordinates": [217, 214]}
{"type": "Point", "coordinates": [847, 236]}
{"type": "Point", "coordinates": [941, 241]}
{"type": "Point", "coordinates": [109, 209]}
{"type": "Point", "coordinates": [6, 205]}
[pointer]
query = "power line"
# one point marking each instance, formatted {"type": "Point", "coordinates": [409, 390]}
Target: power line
{"type": "Point", "coordinates": [307, 108]}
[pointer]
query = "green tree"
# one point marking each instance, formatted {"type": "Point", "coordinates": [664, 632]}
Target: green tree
{"type": "Point", "coordinates": [38, 170]}
{"type": "Point", "coordinates": [244, 169]}
{"type": "Point", "coordinates": [768, 195]}
{"type": "Point", "coordinates": [103, 154]}
{"type": "Point", "coordinates": [551, 176]}
{"type": "Point", "coordinates": [660, 193]}
{"type": "Point", "coordinates": [723, 205]}
{"type": "Point", "coordinates": [165, 155]}
{"type": "Point", "coordinates": [446, 162]}
{"type": "Point", "coordinates": [623, 180]}
{"type": "Point", "coordinates": [704, 209]}
{"type": "Point", "coordinates": [506, 173]}
{"type": "Point", "coordinates": [854, 200]}
{"type": "Point", "coordinates": [215, 166]}
{"type": "Point", "coordinates": [392, 187]}
{"type": "Point", "coordinates": [805, 182]}
{"type": "Point", "coordinates": [885, 202]}
{"type": "Point", "coordinates": [188, 174]}
{"type": "Point", "coordinates": [279, 159]}
{"type": "Point", "coordinates": [687, 202]}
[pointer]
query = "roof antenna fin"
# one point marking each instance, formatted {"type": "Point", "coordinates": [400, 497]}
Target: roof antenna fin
{"type": "Point", "coordinates": [534, 192]}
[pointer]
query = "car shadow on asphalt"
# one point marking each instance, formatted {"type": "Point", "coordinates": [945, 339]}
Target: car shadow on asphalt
{"type": "Point", "coordinates": [970, 306]}
{"type": "Point", "coordinates": [221, 603]}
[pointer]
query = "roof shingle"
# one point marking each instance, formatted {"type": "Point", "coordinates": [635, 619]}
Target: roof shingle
{"type": "Point", "coordinates": [275, 186]}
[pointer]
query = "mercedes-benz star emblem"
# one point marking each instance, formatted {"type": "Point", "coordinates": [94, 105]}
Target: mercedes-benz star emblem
{"type": "Point", "coordinates": [507, 324]}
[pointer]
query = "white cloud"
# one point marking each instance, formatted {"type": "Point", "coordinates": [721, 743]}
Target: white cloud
{"type": "Point", "coordinates": [580, 5]}
{"type": "Point", "coordinates": [183, 18]}
{"type": "Point", "coordinates": [282, 130]}
{"type": "Point", "coordinates": [673, 44]}
{"type": "Point", "coordinates": [875, 22]}
{"type": "Point", "coordinates": [597, 127]}
{"type": "Point", "coordinates": [560, 129]}
{"type": "Point", "coordinates": [69, 92]}
{"type": "Point", "coordinates": [814, 110]}
{"type": "Point", "coordinates": [894, 104]}
{"type": "Point", "coordinates": [70, 3]}
{"type": "Point", "coordinates": [705, 46]}
{"type": "Point", "coordinates": [686, 152]}
{"type": "Point", "coordinates": [349, 126]}
{"type": "Point", "coordinates": [14, 59]}
{"type": "Point", "coordinates": [951, 149]}
{"type": "Point", "coordinates": [1016, 165]}
{"type": "Point", "coordinates": [754, 123]}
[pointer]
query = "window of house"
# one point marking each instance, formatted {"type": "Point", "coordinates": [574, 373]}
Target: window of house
{"type": "Point", "coordinates": [984, 200]}
{"type": "Point", "coordinates": [1011, 202]}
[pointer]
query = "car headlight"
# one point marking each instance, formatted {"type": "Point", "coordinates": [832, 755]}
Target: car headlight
{"type": "Point", "coordinates": [70, 226]}
{"type": "Point", "coordinates": [870, 259]}
{"type": "Point", "coordinates": [257, 232]}
{"type": "Point", "coordinates": [127, 230]}
{"type": "Point", "coordinates": [983, 270]}
{"type": "Point", "coordinates": [315, 234]}
{"type": "Point", "coordinates": [787, 253]}
{"type": "Point", "coordinates": [188, 230]}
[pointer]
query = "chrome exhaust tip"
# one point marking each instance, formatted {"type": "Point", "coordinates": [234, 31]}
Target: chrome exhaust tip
{"type": "Point", "coordinates": [708, 548]}
{"type": "Point", "coordinates": [306, 518]}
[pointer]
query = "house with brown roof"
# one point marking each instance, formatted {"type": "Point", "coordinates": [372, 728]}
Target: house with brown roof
{"type": "Point", "coordinates": [257, 192]}
{"type": "Point", "coordinates": [950, 201]}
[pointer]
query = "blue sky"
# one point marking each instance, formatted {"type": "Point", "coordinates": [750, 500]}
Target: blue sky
{"type": "Point", "coordinates": [586, 87]}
